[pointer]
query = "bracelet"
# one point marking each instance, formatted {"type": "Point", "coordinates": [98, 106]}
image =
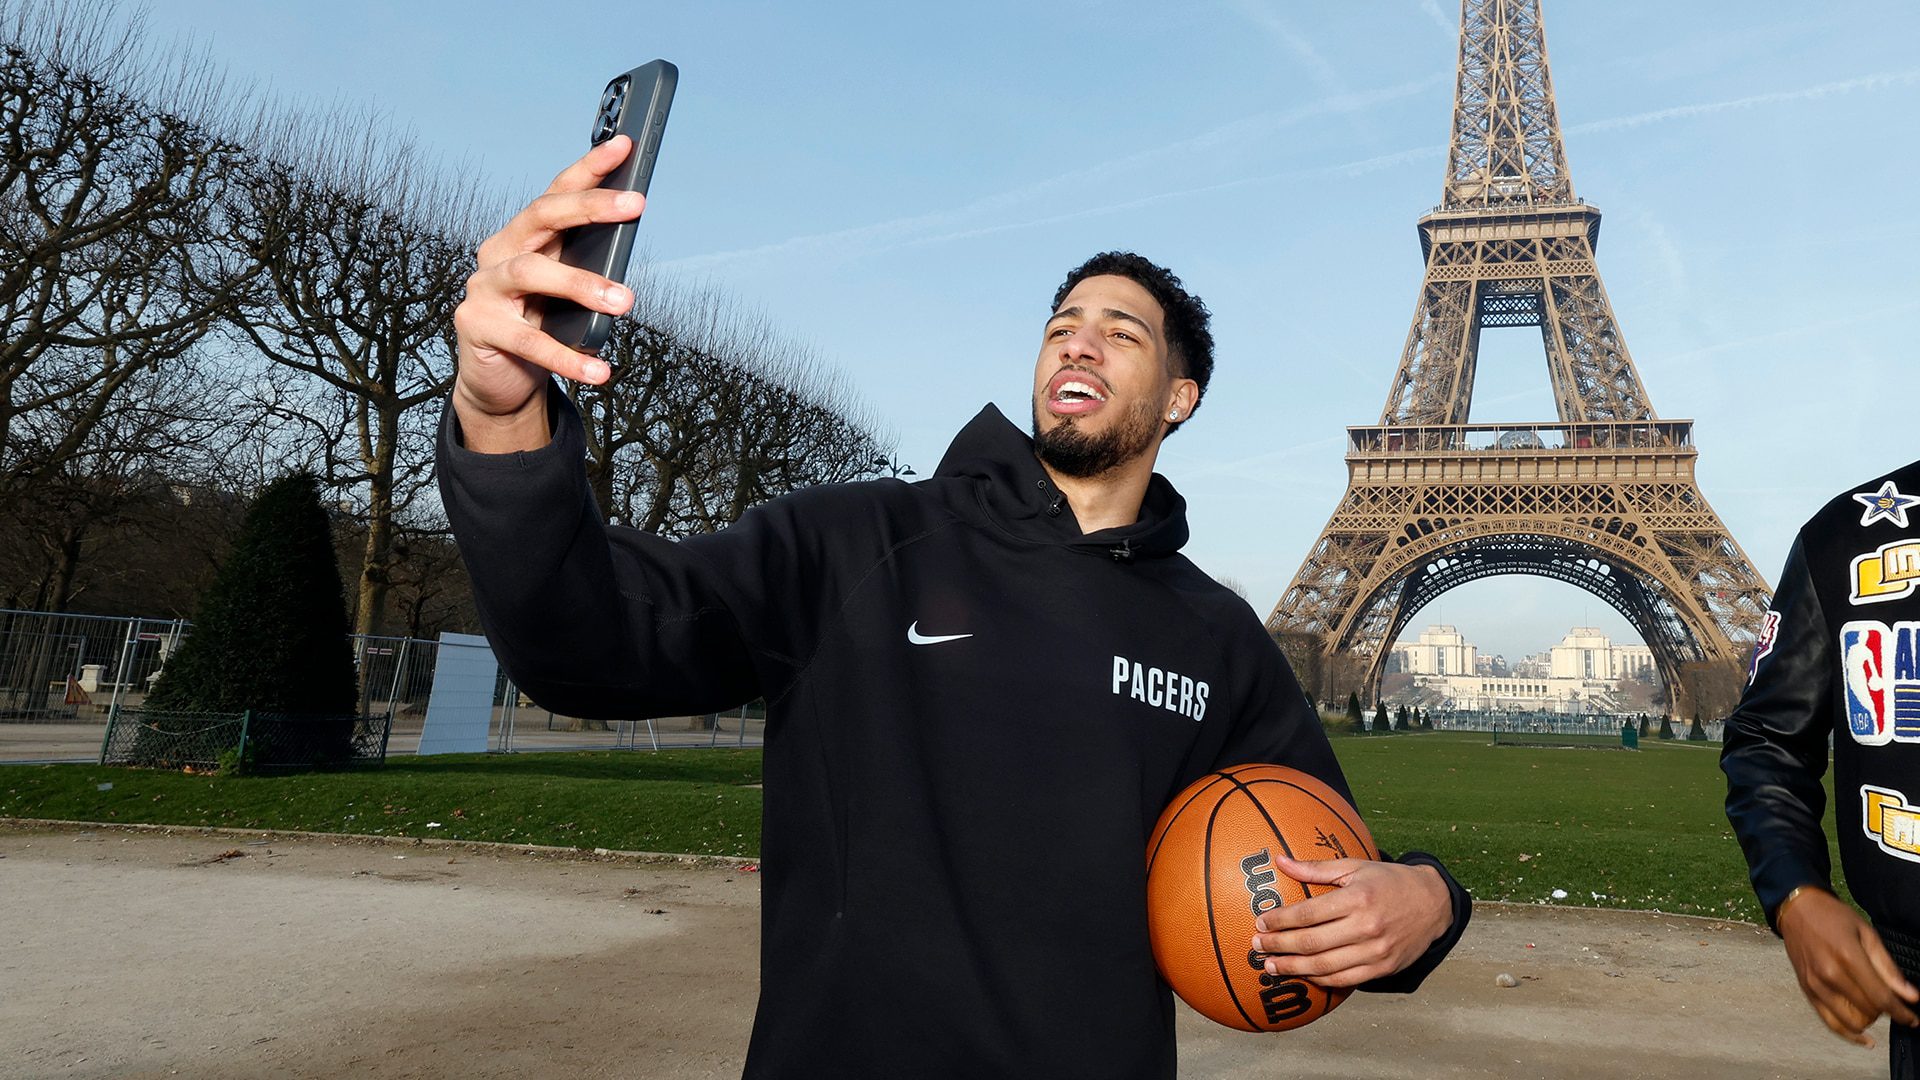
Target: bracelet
{"type": "Point", "coordinates": [1780, 911]}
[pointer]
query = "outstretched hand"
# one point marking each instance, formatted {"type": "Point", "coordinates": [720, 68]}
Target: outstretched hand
{"type": "Point", "coordinates": [504, 356]}
{"type": "Point", "coordinates": [1843, 967]}
{"type": "Point", "coordinates": [1382, 918]}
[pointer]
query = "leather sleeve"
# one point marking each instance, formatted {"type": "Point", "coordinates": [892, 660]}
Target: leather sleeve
{"type": "Point", "coordinates": [1777, 742]}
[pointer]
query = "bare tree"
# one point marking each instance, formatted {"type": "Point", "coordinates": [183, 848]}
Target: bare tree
{"type": "Point", "coordinates": [166, 427]}
{"type": "Point", "coordinates": [711, 411]}
{"type": "Point", "coordinates": [113, 251]}
{"type": "Point", "coordinates": [364, 255]}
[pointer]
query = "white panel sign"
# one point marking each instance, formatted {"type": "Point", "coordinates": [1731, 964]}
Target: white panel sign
{"type": "Point", "coordinates": [460, 711]}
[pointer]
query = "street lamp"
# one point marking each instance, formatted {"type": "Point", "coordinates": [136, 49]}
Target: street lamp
{"type": "Point", "coordinates": [893, 466]}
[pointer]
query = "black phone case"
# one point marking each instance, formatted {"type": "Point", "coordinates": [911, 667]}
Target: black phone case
{"type": "Point", "coordinates": [635, 105]}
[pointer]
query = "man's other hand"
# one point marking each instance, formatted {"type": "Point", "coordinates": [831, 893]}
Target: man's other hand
{"type": "Point", "coordinates": [1843, 968]}
{"type": "Point", "coordinates": [1380, 919]}
{"type": "Point", "coordinates": [505, 357]}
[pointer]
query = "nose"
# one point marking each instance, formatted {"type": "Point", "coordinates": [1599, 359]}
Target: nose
{"type": "Point", "coordinates": [1080, 346]}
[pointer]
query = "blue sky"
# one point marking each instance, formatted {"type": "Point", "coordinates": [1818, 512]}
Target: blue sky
{"type": "Point", "coordinates": [901, 186]}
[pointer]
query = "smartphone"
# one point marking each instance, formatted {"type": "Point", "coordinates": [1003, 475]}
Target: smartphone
{"type": "Point", "coordinates": [635, 105]}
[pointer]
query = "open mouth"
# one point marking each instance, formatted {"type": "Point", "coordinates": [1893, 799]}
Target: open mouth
{"type": "Point", "coordinates": [1075, 393]}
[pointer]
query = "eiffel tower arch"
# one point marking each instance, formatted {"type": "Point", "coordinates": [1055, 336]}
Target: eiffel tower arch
{"type": "Point", "coordinates": [1603, 497]}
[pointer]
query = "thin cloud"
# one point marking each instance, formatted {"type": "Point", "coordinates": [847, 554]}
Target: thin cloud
{"type": "Point", "coordinates": [947, 224]}
{"type": "Point", "coordinates": [1439, 18]}
{"type": "Point", "coordinates": [1883, 81]}
{"type": "Point", "coordinates": [1318, 68]}
{"type": "Point", "coordinates": [950, 225]}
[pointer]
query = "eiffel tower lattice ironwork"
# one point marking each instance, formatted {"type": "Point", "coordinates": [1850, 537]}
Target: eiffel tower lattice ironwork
{"type": "Point", "coordinates": [1604, 498]}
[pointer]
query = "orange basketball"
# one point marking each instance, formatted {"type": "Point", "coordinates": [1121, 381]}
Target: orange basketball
{"type": "Point", "coordinates": [1210, 873]}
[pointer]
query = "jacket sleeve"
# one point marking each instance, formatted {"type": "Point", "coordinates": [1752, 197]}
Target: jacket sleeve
{"type": "Point", "coordinates": [606, 622]}
{"type": "Point", "coordinates": [1283, 728]}
{"type": "Point", "coordinates": [1775, 749]}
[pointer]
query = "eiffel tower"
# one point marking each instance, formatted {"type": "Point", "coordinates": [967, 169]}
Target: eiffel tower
{"type": "Point", "coordinates": [1604, 498]}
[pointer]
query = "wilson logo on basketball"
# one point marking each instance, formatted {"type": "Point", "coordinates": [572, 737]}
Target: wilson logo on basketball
{"type": "Point", "coordinates": [1281, 997]}
{"type": "Point", "coordinates": [1260, 882]}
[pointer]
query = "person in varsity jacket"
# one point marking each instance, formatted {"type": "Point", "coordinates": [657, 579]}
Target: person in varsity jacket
{"type": "Point", "coordinates": [1839, 658]}
{"type": "Point", "coordinates": [982, 688]}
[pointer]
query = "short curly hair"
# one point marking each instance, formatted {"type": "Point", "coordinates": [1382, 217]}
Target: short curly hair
{"type": "Point", "coordinates": [1189, 341]}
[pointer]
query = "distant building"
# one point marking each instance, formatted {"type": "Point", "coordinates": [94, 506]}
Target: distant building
{"type": "Point", "coordinates": [1440, 650]}
{"type": "Point", "coordinates": [1586, 653]}
{"type": "Point", "coordinates": [1579, 675]}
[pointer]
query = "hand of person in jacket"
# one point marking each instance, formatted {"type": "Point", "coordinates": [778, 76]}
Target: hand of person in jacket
{"type": "Point", "coordinates": [1380, 919]}
{"type": "Point", "coordinates": [1843, 968]}
{"type": "Point", "coordinates": [504, 356]}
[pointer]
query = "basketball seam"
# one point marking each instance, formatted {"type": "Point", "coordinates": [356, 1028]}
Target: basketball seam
{"type": "Point", "coordinates": [1213, 926]}
{"type": "Point", "coordinates": [1162, 841]}
{"type": "Point", "coordinates": [1285, 848]}
{"type": "Point", "coordinates": [1359, 832]}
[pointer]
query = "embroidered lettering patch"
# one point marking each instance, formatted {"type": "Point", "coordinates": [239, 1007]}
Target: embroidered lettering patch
{"type": "Point", "coordinates": [1889, 821]}
{"type": "Point", "coordinates": [1889, 572]}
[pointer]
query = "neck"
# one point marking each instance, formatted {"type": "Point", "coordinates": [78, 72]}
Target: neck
{"type": "Point", "coordinates": [1109, 500]}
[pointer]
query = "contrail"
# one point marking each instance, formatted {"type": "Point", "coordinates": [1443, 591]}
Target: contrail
{"type": "Point", "coordinates": [942, 226]}
{"type": "Point", "coordinates": [885, 235]}
{"type": "Point", "coordinates": [1883, 81]}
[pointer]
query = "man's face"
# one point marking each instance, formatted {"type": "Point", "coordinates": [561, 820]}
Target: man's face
{"type": "Point", "coordinates": [1101, 389]}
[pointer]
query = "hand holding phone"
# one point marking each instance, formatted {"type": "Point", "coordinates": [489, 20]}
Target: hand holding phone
{"type": "Point", "coordinates": [635, 105]}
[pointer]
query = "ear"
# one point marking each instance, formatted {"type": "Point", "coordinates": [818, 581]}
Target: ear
{"type": "Point", "coordinates": [1185, 395]}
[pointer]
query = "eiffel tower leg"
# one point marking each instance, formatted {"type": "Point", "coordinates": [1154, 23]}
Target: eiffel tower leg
{"type": "Point", "coordinates": [1435, 381]}
{"type": "Point", "coordinates": [1593, 377]}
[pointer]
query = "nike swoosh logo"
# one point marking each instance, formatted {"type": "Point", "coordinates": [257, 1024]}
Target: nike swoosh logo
{"type": "Point", "coordinates": [916, 637]}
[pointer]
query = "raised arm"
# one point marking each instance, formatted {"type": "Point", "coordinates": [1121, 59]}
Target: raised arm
{"type": "Point", "coordinates": [590, 620]}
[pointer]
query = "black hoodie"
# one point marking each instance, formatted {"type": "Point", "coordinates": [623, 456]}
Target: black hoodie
{"type": "Point", "coordinates": [975, 715]}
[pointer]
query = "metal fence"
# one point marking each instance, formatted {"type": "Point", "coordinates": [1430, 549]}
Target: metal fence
{"type": "Point", "coordinates": [258, 742]}
{"type": "Point", "coordinates": [1547, 723]}
{"type": "Point", "coordinates": [62, 677]}
{"type": "Point", "coordinates": [57, 668]}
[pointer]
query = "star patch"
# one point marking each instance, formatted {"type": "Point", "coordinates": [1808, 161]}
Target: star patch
{"type": "Point", "coordinates": [1887, 504]}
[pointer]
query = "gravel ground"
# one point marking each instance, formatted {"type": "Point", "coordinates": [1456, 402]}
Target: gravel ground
{"type": "Point", "coordinates": [134, 954]}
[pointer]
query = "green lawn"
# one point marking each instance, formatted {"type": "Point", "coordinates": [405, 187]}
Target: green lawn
{"type": "Point", "coordinates": [691, 801]}
{"type": "Point", "coordinates": [1611, 828]}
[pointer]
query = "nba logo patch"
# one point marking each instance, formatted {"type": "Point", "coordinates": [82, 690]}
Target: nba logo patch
{"type": "Point", "coordinates": [1880, 667]}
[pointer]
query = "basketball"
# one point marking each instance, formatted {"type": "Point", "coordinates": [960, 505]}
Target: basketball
{"type": "Point", "coordinates": [1210, 873]}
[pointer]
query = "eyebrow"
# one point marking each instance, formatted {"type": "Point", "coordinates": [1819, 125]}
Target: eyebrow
{"type": "Point", "coordinates": [1111, 313]}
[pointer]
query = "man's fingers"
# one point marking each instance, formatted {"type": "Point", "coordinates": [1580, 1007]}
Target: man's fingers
{"type": "Point", "coordinates": [1845, 993]}
{"type": "Point", "coordinates": [528, 274]}
{"type": "Point", "coordinates": [546, 217]}
{"type": "Point", "coordinates": [1351, 929]}
{"type": "Point", "coordinates": [593, 166]}
{"type": "Point", "coordinates": [1349, 965]}
{"type": "Point", "coordinates": [1903, 992]}
{"type": "Point", "coordinates": [512, 337]}
{"type": "Point", "coordinates": [1318, 871]}
{"type": "Point", "coordinates": [1313, 911]}
{"type": "Point", "coordinates": [1838, 1027]}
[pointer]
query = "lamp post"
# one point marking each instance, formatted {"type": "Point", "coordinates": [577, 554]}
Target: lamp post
{"type": "Point", "coordinates": [893, 466]}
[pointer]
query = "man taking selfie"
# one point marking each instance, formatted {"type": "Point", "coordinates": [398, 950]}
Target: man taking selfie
{"type": "Point", "coordinates": [982, 688]}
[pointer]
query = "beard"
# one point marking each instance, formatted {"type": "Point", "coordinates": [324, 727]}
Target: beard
{"type": "Point", "coordinates": [1073, 451]}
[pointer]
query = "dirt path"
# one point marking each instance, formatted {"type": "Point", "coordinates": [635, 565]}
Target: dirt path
{"type": "Point", "coordinates": [145, 955]}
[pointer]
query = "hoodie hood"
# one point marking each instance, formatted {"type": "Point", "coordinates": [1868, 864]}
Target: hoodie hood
{"type": "Point", "coordinates": [996, 460]}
